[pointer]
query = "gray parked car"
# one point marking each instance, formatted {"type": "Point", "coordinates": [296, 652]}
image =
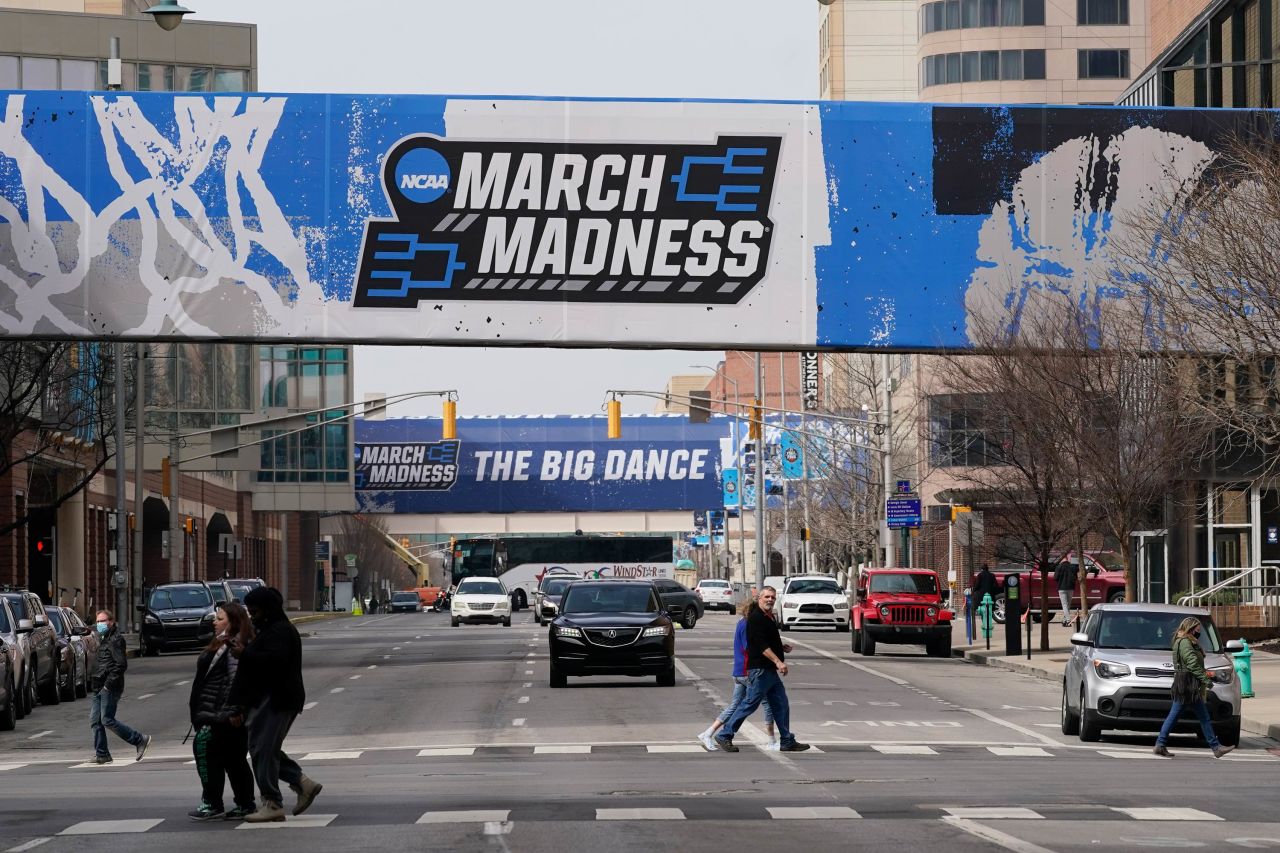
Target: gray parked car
{"type": "Point", "coordinates": [1121, 670]}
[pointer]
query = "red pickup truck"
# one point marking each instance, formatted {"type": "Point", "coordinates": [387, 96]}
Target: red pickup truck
{"type": "Point", "coordinates": [1102, 585]}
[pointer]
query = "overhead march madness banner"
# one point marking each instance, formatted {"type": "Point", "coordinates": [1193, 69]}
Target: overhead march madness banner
{"type": "Point", "coordinates": [538, 464]}
{"type": "Point", "coordinates": [433, 219]}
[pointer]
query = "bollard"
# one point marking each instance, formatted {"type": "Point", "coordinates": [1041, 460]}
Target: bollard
{"type": "Point", "coordinates": [1242, 661]}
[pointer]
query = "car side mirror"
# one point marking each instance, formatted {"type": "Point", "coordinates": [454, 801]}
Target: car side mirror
{"type": "Point", "coordinates": [1081, 639]}
{"type": "Point", "coordinates": [25, 626]}
{"type": "Point", "coordinates": [80, 631]}
{"type": "Point", "coordinates": [141, 608]}
{"type": "Point", "coordinates": [41, 621]}
{"type": "Point", "coordinates": [1234, 646]}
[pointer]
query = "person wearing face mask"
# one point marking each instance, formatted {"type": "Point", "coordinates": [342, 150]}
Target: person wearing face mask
{"type": "Point", "coordinates": [221, 749]}
{"type": "Point", "coordinates": [1191, 685]}
{"type": "Point", "coordinates": [268, 683]}
{"type": "Point", "coordinates": [107, 686]}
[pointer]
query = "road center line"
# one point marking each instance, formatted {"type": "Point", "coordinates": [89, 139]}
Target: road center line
{"type": "Point", "coordinates": [995, 836]}
{"type": "Point", "coordinates": [145, 696]}
{"type": "Point", "coordinates": [992, 718]}
{"type": "Point", "coordinates": [527, 685]}
{"type": "Point", "coordinates": [337, 690]}
{"type": "Point", "coordinates": [309, 706]}
{"type": "Point", "coordinates": [354, 677]}
{"type": "Point", "coordinates": [373, 666]}
{"type": "Point", "coordinates": [826, 654]}
{"type": "Point", "coordinates": [522, 700]}
{"type": "Point", "coordinates": [41, 734]}
{"type": "Point", "coordinates": [30, 845]}
{"type": "Point", "coordinates": [517, 722]}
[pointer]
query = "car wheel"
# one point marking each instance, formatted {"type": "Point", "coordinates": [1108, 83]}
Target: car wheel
{"type": "Point", "coordinates": [857, 642]}
{"type": "Point", "coordinates": [1090, 728]}
{"type": "Point", "coordinates": [67, 689]}
{"type": "Point", "coordinates": [1230, 734]}
{"type": "Point", "coordinates": [28, 694]}
{"type": "Point", "coordinates": [1116, 597]}
{"type": "Point", "coordinates": [868, 644]}
{"type": "Point", "coordinates": [453, 621]}
{"type": "Point", "coordinates": [997, 609]}
{"type": "Point", "coordinates": [518, 601]}
{"type": "Point", "coordinates": [557, 678]}
{"type": "Point", "coordinates": [537, 618]}
{"type": "Point", "coordinates": [9, 717]}
{"type": "Point", "coordinates": [690, 617]}
{"type": "Point", "coordinates": [940, 648]}
{"type": "Point", "coordinates": [49, 693]}
{"type": "Point", "coordinates": [783, 626]}
{"type": "Point", "coordinates": [506, 623]}
{"type": "Point", "coordinates": [147, 648]}
{"type": "Point", "coordinates": [842, 629]}
{"type": "Point", "coordinates": [1070, 721]}
{"type": "Point", "coordinates": [668, 678]}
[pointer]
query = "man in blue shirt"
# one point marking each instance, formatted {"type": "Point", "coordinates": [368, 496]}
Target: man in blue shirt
{"type": "Point", "coordinates": [739, 686]}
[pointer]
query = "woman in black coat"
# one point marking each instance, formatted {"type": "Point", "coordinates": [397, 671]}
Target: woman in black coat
{"type": "Point", "coordinates": [221, 749]}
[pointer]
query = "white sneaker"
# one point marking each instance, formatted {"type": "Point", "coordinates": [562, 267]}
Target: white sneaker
{"type": "Point", "coordinates": [705, 738]}
{"type": "Point", "coordinates": [772, 746]}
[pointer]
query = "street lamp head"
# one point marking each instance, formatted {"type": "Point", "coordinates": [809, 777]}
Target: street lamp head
{"type": "Point", "coordinates": [168, 14]}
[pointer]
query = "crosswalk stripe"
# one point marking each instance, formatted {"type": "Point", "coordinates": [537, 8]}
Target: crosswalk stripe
{"type": "Point", "coordinates": [639, 814]}
{"type": "Point", "coordinates": [813, 813]}
{"type": "Point", "coordinates": [446, 751]}
{"type": "Point", "coordinates": [4, 767]}
{"type": "Point", "coordinates": [1135, 756]}
{"type": "Point", "coordinates": [674, 747]}
{"type": "Point", "coordinates": [307, 821]}
{"type": "Point", "coordinates": [345, 755]}
{"type": "Point", "coordinates": [903, 749]}
{"type": "Point", "coordinates": [1160, 813]}
{"type": "Point", "coordinates": [569, 749]}
{"type": "Point", "coordinates": [993, 813]}
{"type": "Point", "coordinates": [492, 816]}
{"type": "Point", "coordinates": [111, 827]}
{"type": "Point", "coordinates": [1019, 751]}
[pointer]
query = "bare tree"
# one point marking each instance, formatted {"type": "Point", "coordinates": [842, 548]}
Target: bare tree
{"type": "Point", "coordinates": [365, 536]}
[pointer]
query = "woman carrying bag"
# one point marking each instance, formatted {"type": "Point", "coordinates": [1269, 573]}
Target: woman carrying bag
{"type": "Point", "coordinates": [1191, 686]}
{"type": "Point", "coordinates": [221, 749]}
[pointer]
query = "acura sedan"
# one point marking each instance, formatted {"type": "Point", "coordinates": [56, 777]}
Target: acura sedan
{"type": "Point", "coordinates": [613, 627]}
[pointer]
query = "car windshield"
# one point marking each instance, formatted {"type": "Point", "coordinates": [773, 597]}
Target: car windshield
{"type": "Point", "coordinates": [180, 596]}
{"type": "Point", "coordinates": [1149, 630]}
{"type": "Point", "coordinates": [555, 587]}
{"type": "Point", "coordinates": [481, 588]}
{"type": "Point", "coordinates": [240, 590]}
{"type": "Point", "coordinates": [918, 584]}
{"type": "Point", "coordinates": [598, 598]}
{"type": "Point", "coordinates": [18, 604]}
{"type": "Point", "coordinates": [5, 627]}
{"type": "Point", "coordinates": [218, 591]}
{"type": "Point", "coordinates": [816, 585]}
{"type": "Point", "coordinates": [55, 619]}
{"type": "Point", "coordinates": [405, 596]}
{"type": "Point", "coordinates": [716, 584]}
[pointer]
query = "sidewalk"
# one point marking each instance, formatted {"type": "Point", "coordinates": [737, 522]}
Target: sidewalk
{"type": "Point", "coordinates": [1260, 715]}
{"type": "Point", "coordinates": [296, 617]}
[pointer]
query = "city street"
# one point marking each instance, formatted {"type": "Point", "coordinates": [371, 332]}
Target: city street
{"type": "Point", "coordinates": [431, 737]}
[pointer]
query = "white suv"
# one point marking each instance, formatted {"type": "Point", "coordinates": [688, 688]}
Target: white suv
{"type": "Point", "coordinates": [480, 600]}
{"type": "Point", "coordinates": [716, 595]}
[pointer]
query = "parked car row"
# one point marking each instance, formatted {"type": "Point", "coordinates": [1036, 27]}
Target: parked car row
{"type": "Point", "coordinates": [180, 615]}
{"type": "Point", "coordinates": [46, 655]}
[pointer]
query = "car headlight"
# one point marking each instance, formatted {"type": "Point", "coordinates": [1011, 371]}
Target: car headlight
{"type": "Point", "coordinates": [1108, 669]}
{"type": "Point", "coordinates": [932, 611]}
{"type": "Point", "coordinates": [657, 631]}
{"type": "Point", "coordinates": [461, 605]}
{"type": "Point", "coordinates": [566, 631]}
{"type": "Point", "coordinates": [884, 611]}
{"type": "Point", "coordinates": [1222, 674]}
{"type": "Point", "coordinates": [790, 605]}
{"type": "Point", "coordinates": [152, 619]}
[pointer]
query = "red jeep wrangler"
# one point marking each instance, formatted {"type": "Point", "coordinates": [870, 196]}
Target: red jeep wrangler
{"type": "Point", "coordinates": [901, 606]}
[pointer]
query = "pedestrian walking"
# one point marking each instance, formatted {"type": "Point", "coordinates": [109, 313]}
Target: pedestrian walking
{"type": "Point", "coordinates": [984, 583]}
{"type": "Point", "coordinates": [766, 666]}
{"type": "Point", "coordinates": [107, 685]}
{"type": "Point", "coordinates": [1191, 686]}
{"type": "Point", "coordinates": [268, 683]}
{"type": "Point", "coordinates": [739, 684]}
{"type": "Point", "coordinates": [1065, 577]}
{"type": "Point", "coordinates": [221, 749]}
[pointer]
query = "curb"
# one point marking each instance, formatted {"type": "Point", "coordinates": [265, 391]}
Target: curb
{"type": "Point", "coordinates": [990, 658]}
{"type": "Point", "coordinates": [316, 617]}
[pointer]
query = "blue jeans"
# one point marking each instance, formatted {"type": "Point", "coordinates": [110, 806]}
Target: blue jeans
{"type": "Point", "coordinates": [740, 684]}
{"type": "Point", "coordinates": [1206, 725]}
{"type": "Point", "coordinates": [763, 685]}
{"type": "Point", "coordinates": [102, 716]}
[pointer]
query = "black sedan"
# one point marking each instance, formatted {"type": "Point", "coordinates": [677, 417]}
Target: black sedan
{"type": "Point", "coordinates": [612, 627]}
{"type": "Point", "coordinates": [176, 615]}
{"type": "Point", "coordinates": [405, 602]}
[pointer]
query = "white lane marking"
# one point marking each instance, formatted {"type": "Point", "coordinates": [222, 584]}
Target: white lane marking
{"type": "Point", "coordinates": [1162, 813]}
{"type": "Point", "coordinates": [1138, 756]}
{"type": "Point", "coordinates": [527, 685]}
{"type": "Point", "coordinates": [572, 749]}
{"type": "Point", "coordinates": [497, 827]}
{"type": "Point", "coordinates": [754, 734]}
{"type": "Point", "coordinates": [309, 706]}
{"type": "Point", "coordinates": [344, 755]}
{"type": "Point", "coordinates": [91, 765]}
{"type": "Point", "coordinates": [995, 836]}
{"type": "Point", "coordinates": [30, 845]}
{"type": "Point", "coordinates": [386, 657]}
{"type": "Point", "coordinates": [111, 827]}
{"type": "Point", "coordinates": [826, 654]}
{"type": "Point", "coordinates": [145, 696]}
{"type": "Point", "coordinates": [528, 672]}
{"type": "Point", "coordinates": [310, 821]}
{"type": "Point", "coordinates": [903, 749]}
{"type": "Point", "coordinates": [812, 813]}
{"type": "Point", "coordinates": [354, 677]}
{"type": "Point", "coordinates": [517, 722]}
{"type": "Point", "coordinates": [522, 700]}
{"type": "Point", "coordinates": [992, 718]}
{"type": "Point", "coordinates": [180, 683]}
{"type": "Point", "coordinates": [674, 747]}
{"type": "Point", "coordinates": [4, 767]}
{"type": "Point", "coordinates": [395, 648]}
{"type": "Point", "coordinates": [368, 622]}
{"type": "Point", "coordinates": [419, 637]}
{"type": "Point", "coordinates": [530, 654]}
{"type": "Point", "coordinates": [372, 666]}
{"type": "Point", "coordinates": [337, 690]}
{"type": "Point", "coordinates": [41, 734]}
{"type": "Point", "coordinates": [993, 813]}
{"type": "Point", "coordinates": [498, 816]}
{"type": "Point", "coordinates": [639, 814]}
{"type": "Point", "coordinates": [1019, 751]}
{"type": "Point", "coordinates": [447, 751]}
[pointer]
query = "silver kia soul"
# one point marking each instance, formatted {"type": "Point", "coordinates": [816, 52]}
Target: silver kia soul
{"type": "Point", "coordinates": [1121, 669]}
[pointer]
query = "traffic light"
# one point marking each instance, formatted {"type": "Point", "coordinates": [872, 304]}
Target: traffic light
{"type": "Point", "coordinates": [164, 477]}
{"type": "Point", "coordinates": [757, 415]}
{"type": "Point", "coordinates": [805, 534]}
{"type": "Point", "coordinates": [956, 510]}
{"type": "Point", "coordinates": [44, 546]}
{"type": "Point", "coordinates": [614, 408]}
{"type": "Point", "coordinates": [404, 541]}
{"type": "Point", "coordinates": [189, 525]}
{"type": "Point", "coordinates": [449, 429]}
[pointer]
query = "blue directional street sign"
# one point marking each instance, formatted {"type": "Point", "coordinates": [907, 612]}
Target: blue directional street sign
{"type": "Point", "coordinates": [902, 512]}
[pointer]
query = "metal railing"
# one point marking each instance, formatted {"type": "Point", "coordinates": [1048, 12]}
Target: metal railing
{"type": "Point", "coordinates": [1235, 595]}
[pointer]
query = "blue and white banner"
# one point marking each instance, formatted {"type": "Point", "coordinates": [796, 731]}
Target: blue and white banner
{"type": "Point", "coordinates": [732, 488]}
{"type": "Point", "coordinates": [538, 464]}
{"type": "Point", "coordinates": [792, 455]}
{"type": "Point", "coordinates": [510, 221]}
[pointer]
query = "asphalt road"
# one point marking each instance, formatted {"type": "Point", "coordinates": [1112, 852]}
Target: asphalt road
{"type": "Point", "coordinates": [431, 737]}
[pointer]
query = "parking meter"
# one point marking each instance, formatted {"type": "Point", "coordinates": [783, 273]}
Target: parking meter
{"type": "Point", "coordinates": [1013, 607]}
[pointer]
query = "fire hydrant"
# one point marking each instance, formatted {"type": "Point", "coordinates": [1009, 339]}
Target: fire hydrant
{"type": "Point", "coordinates": [1242, 661]}
{"type": "Point", "coordinates": [984, 611]}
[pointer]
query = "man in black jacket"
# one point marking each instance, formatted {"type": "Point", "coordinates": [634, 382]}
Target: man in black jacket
{"type": "Point", "coordinates": [1065, 578]}
{"type": "Point", "coordinates": [107, 685]}
{"type": "Point", "coordinates": [766, 664]}
{"type": "Point", "coordinates": [269, 683]}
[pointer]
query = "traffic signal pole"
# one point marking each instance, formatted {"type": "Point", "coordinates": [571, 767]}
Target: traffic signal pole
{"type": "Point", "coordinates": [761, 556]}
{"type": "Point", "coordinates": [886, 535]}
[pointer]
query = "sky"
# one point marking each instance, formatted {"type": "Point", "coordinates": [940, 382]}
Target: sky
{"type": "Point", "coordinates": [751, 49]}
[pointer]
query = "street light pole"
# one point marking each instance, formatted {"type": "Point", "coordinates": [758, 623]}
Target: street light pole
{"type": "Point", "coordinates": [760, 496]}
{"type": "Point", "coordinates": [735, 426]}
{"type": "Point", "coordinates": [886, 535]}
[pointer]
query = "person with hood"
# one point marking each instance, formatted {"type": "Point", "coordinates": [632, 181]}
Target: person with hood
{"type": "Point", "coordinates": [1191, 685]}
{"type": "Point", "coordinates": [221, 749]}
{"type": "Point", "coordinates": [107, 686]}
{"type": "Point", "coordinates": [268, 683]}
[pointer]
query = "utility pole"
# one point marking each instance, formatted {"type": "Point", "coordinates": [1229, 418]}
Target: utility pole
{"type": "Point", "coordinates": [786, 494]}
{"type": "Point", "coordinates": [120, 573]}
{"type": "Point", "coordinates": [139, 407]}
{"type": "Point", "coordinates": [761, 555]}
{"type": "Point", "coordinates": [886, 404]}
{"type": "Point", "coordinates": [175, 523]}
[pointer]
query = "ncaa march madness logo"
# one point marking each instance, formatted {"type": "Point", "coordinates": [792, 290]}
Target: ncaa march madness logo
{"type": "Point", "coordinates": [408, 465]}
{"type": "Point", "coordinates": [597, 222]}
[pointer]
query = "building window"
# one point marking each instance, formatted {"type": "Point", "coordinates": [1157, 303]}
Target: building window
{"type": "Point", "coordinates": [1103, 64]}
{"type": "Point", "coordinates": [960, 434]}
{"type": "Point", "coordinates": [1097, 13]}
{"type": "Point", "coordinates": [39, 73]}
{"type": "Point", "coordinates": [9, 77]}
{"type": "Point", "coordinates": [982, 66]}
{"type": "Point", "coordinates": [306, 378]}
{"type": "Point", "coordinates": [81, 74]}
{"type": "Point", "coordinates": [974, 14]}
